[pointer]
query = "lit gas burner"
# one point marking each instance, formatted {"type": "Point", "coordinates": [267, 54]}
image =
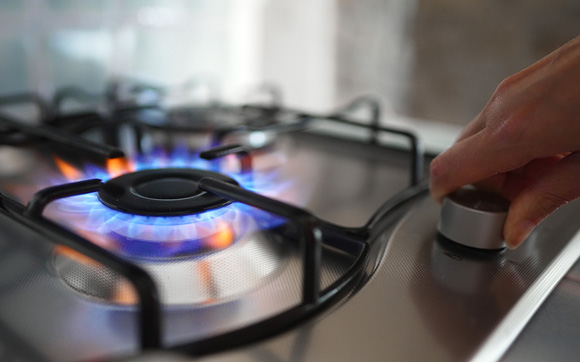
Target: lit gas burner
{"type": "Point", "coordinates": [151, 207]}
{"type": "Point", "coordinates": [200, 248]}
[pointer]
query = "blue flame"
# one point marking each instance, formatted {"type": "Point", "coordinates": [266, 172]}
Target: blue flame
{"type": "Point", "coordinates": [166, 236]}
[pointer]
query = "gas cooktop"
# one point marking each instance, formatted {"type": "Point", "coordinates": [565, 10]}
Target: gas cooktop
{"type": "Point", "coordinates": [139, 231]}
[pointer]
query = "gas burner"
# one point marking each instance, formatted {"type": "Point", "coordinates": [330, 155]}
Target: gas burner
{"type": "Point", "coordinates": [198, 247]}
{"type": "Point", "coordinates": [162, 192]}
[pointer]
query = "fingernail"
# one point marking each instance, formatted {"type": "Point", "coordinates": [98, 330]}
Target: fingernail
{"type": "Point", "coordinates": [437, 196]}
{"type": "Point", "coordinates": [518, 233]}
{"type": "Point", "coordinates": [436, 172]}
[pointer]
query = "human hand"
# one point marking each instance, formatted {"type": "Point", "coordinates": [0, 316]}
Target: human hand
{"type": "Point", "coordinates": [524, 144]}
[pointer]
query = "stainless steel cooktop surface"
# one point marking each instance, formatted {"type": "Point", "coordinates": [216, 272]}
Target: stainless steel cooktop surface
{"type": "Point", "coordinates": [419, 297]}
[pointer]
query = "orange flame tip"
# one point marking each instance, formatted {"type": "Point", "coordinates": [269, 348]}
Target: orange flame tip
{"type": "Point", "coordinates": [118, 166]}
{"type": "Point", "coordinates": [125, 294]}
{"type": "Point", "coordinates": [223, 237]}
{"type": "Point", "coordinates": [69, 171]}
{"type": "Point", "coordinates": [75, 255]}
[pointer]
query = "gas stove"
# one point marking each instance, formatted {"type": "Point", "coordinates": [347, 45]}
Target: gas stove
{"type": "Point", "coordinates": [138, 231]}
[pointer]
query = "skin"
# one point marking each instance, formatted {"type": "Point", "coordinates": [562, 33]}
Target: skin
{"type": "Point", "coordinates": [524, 144]}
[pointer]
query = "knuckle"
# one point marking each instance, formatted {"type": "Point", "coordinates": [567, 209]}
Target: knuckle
{"type": "Point", "coordinates": [509, 128]}
{"type": "Point", "coordinates": [506, 124]}
{"type": "Point", "coordinates": [505, 85]}
{"type": "Point", "coordinates": [508, 131]}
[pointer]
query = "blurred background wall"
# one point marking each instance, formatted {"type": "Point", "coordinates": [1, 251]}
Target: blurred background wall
{"type": "Point", "coordinates": [428, 59]}
{"type": "Point", "coordinates": [463, 49]}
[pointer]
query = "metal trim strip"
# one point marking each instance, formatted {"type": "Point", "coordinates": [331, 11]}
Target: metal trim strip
{"type": "Point", "coordinates": [508, 330]}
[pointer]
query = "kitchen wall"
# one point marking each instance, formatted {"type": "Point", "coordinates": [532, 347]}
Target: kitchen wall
{"type": "Point", "coordinates": [48, 44]}
{"type": "Point", "coordinates": [463, 49]}
{"type": "Point", "coordinates": [428, 59]}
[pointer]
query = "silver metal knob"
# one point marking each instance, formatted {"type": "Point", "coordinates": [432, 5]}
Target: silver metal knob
{"type": "Point", "coordinates": [474, 218]}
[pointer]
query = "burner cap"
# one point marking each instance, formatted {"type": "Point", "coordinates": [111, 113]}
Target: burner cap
{"type": "Point", "coordinates": [162, 192]}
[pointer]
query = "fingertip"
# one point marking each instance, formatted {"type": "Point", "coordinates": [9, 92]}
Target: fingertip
{"type": "Point", "coordinates": [435, 179]}
{"type": "Point", "coordinates": [517, 233]}
{"type": "Point", "coordinates": [436, 192]}
{"type": "Point", "coordinates": [437, 197]}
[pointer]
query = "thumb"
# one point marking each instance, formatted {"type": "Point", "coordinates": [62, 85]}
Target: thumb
{"type": "Point", "coordinates": [547, 193]}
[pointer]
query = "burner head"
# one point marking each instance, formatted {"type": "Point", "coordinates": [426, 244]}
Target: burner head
{"type": "Point", "coordinates": [162, 192]}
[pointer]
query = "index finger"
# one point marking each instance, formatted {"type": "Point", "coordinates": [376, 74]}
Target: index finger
{"type": "Point", "coordinates": [470, 160]}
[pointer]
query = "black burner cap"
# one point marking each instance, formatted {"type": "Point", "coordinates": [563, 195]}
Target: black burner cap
{"type": "Point", "coordinates": [162, 192]}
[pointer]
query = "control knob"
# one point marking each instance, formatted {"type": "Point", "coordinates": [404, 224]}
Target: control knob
{"type": "Point", "coordinates": [474, 218]}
